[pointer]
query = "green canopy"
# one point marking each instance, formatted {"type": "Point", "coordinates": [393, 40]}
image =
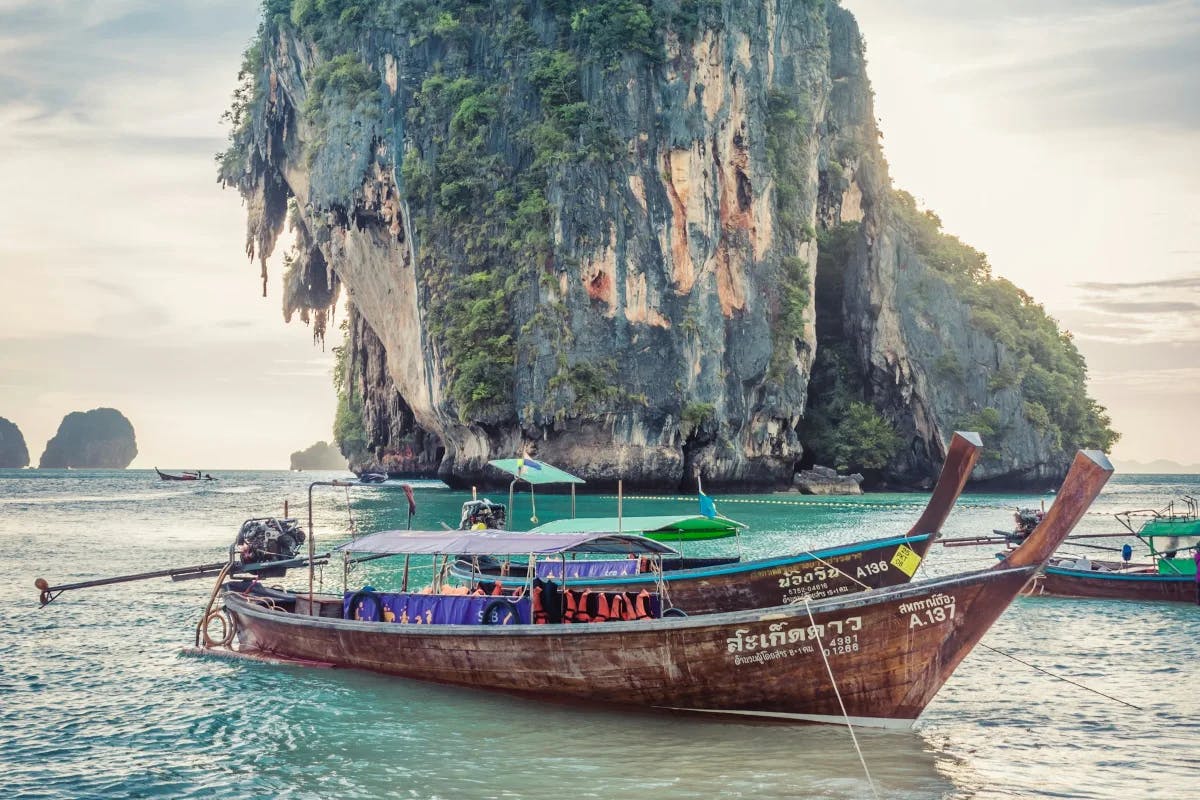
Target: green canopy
{"type": "Point", "coordinates": [667, 528]}
{"type": "Point", "coordinates": [535, 472]}
{"type": "Point", "coordinates": [1182, 526]}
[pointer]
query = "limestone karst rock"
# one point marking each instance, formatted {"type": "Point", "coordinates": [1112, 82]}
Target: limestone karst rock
{"type": "Point", "coordinates": [594, 228]}
{"type": "Point", "coordinates": [101, 438]}
{"type": "Point", "coordinates": [320, 455]}
{"type": "Point", "coordinates": [13, 452]}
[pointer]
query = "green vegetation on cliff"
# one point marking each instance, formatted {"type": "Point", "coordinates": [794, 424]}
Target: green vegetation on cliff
{"type": "Point", "coordinates": [1041, 358]}
{"type": "Point", "coordinates": [348, 432]}
{"type": "Point", "coordinates": [840, 428]}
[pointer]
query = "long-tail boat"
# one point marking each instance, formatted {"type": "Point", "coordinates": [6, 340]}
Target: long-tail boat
{"type": "Point", "coordinates": [1167, 577]}
{"type": "Point", "coordinates": [187, 475]}
{"type": "Point", "coordinates": [873, 658]}
{"type": "Point", "coordinates": [711, 585]}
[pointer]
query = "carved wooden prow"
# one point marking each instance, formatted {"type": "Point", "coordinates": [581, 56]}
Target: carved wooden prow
{"type": "Point", "coordinates": [956, 469]}
{"type": "Point", "coordinates": [1087, 476]}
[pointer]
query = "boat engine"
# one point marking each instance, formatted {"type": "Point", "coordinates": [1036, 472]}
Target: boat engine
{"type": "Point", "coordinates": [1026, 519]}
{"type": "Point", "coordinates": [482, 512]}
{"type": "Point", "coordinates": [263, 540]}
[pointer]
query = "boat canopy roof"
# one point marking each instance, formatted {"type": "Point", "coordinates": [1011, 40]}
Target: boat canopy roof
{"type": "Point", "coordinates": [687, 523]}
{"type": "Point", "coordinates": [1170, 527]}
{"type": "Point", "coordinates": [536, 472]}
{"type": "Point", "coordinates": [493, 542]}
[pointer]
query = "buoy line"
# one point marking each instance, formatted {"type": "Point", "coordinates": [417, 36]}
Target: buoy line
{"type": "Point", "coordinates": [813, 503]}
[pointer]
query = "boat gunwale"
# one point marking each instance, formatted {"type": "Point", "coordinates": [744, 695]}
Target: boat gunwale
{"type": "Point", "coordinates": [1125, 576]}
{"type": "Point", "coordinates": [769, 614]}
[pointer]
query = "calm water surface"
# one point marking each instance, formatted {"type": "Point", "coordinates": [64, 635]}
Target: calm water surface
{"type": "Point", "coordinates": [96, 700]}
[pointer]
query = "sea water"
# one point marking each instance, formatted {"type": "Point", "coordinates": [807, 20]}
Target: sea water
{"type": "Point", "coordinates": [96, 699]}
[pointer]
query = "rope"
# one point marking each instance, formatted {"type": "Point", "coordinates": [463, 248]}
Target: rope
{"type": "Point", "coordinates": [1061, 678]}
{"type": "Point", "coordinates": [837, 571]}
{"type": "Point", "coordinates": [829, 669]}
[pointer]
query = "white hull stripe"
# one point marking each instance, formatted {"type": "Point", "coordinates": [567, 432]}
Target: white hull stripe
{"type": "Point", "coordinates": [861, 722]}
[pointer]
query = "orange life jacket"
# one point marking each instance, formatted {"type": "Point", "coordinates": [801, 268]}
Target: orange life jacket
{"type": "Point", "coordinates": [497, 588]}
{"type": "Point", "coordinates": [581, 613]}
{"type": "Point", "coordinates": [479, 592]}
{"type": "Point", "coordinates": [618, 608]}
{"type": "Point", "coordinates": [641, 605]}
{"type": "Point", "coordinates": [539, 613]}
{"type": "Point", "coordinates": [601, 608]}
{"type": "Point", "coordinates": [570, 613]}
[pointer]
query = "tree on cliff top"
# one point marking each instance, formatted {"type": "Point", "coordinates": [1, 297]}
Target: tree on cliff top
{"type": "Point", "coordinates": [13, 453]}
{"type": "Point", "coordinates": [101, 438]}
{"type": "Point", "coordinates": [1043, 360]}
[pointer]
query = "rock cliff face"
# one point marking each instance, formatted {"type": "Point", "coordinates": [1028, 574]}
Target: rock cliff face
{"type": "Point", "coordinates": [591, 228]}
{"type": "Point", "coordinates": [13, 453]}
{"type": "Point", "coordinates": [101, 438]}
{"type": "Point", "coordinates": [321, 455]}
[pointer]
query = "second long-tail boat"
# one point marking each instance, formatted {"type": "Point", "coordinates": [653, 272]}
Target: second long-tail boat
{"type": "Point", "coordinates": [706, 586]}
{"type": "Point", "coordinates": [873, 658]}
{"type": "Point", "coordinates": [1167, 577]}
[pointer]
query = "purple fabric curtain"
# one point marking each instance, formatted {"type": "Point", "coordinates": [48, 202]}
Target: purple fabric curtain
{"type": "Point", "coordinates": [588, 569]}
{"type": "Point", "coordinates": [425, 609]}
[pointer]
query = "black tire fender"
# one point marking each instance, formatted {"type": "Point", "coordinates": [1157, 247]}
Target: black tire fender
{"type": "Point", "coordinates": [365, 594]}
{"type": "Point", "coordinates": [500, 612]}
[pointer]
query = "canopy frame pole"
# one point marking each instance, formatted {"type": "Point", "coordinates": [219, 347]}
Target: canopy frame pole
{"type": "Point", "coordinates": [312, 536]}
{"type": "Point", "coordinates": [512, 511]}
{"type": "Point", "coordinates": [620, 505]}
{"type": "Point", "coordinates": [404, 579]}
{"type": "Point", "coordinates": [572, 501]}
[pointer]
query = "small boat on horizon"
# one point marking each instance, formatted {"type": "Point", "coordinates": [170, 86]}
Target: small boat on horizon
{"type": "Point", "coordinates": [186, 475]}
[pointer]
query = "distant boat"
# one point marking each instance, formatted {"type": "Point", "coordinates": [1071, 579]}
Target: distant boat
{"type": "Point", "coordinates": [1172, 536]}
{"type": "Point", "coordinates": [186, 475]}
{"type": "Point", "coordinates": [373, 477]}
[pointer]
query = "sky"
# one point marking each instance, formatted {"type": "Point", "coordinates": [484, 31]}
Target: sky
{"type": "Point", "coordinates": [1060, 137]}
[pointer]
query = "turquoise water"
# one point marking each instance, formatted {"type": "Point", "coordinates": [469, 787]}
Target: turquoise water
{"type": "Point", "coordinates": [97, 701]}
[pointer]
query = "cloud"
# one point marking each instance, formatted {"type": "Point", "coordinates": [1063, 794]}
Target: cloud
{"type": "Point", "coordinates": [1181, 282]}
{"type": "Point", "coordinates": [76, 68]}
{"type": "Point", "coordinates": [1151, 307]}
{"type": "Point", "coordinates": [1062, 64]}
{"type": "Point", "coordinates": [1162, 310]}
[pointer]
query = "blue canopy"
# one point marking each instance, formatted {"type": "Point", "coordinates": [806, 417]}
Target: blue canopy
{"type": "Point", "coordinates": [493, 542]}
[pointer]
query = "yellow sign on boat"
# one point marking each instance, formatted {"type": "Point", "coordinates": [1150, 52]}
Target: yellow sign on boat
{"type": "Point", "coordinates": [906, 560]}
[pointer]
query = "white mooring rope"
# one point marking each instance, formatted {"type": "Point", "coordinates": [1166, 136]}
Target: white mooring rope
{"type": "Point", "coordinates": [833, 681]}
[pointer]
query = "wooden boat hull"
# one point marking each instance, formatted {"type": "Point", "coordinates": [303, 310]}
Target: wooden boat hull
{"type": "Point", "coordinates": [1055, 581]}
{"type": "Point", "coordinates": [889, 652]}
{"type": "Point", "coordinates": [169, 477]}
{"type": "Point", "coordinates": [761, 583]}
